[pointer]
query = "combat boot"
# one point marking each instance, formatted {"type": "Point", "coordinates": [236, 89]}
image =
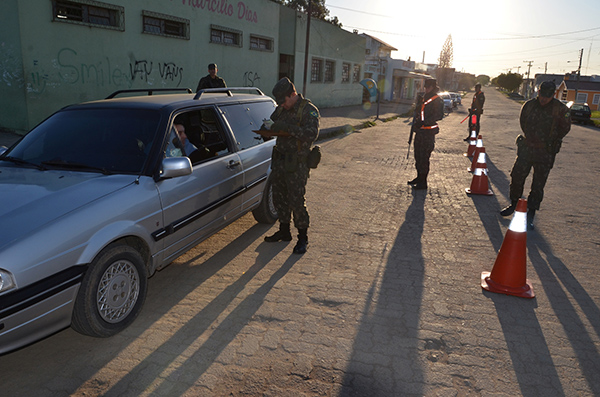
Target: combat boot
{"type": "Point", "coordinates": [530, 216]}
{"type": "Point", "coordinates": [413, 181]}
{"type": "Point", "coordinates": [302, 243]}
{"type": "Point", "coordinates": [506, 211]}
{"type": "Point", "coordinates": [283, 234]}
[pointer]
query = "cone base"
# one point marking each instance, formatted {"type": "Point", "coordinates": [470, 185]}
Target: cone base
{"type": "Point", "coordinates": [488, 193]}
{"type": "Point", "coordinates": [526, 291]}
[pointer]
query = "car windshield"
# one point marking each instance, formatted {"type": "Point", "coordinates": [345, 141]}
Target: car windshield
{"type": "Point", "coordinates": [94, 140]}
{"type": "Point", "coordinates": [580, 107]}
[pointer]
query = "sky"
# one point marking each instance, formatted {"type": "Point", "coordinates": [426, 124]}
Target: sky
{"type": "Point", "coordinates": [488, 37]}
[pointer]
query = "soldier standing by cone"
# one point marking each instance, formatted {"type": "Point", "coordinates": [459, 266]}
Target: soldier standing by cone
{"type": "Point", "coordinates": [428, 111]}
{"type": "Point", "coordinates": [544, 121]}
{"type": "Point", "coordinates": [476, 109]}
{"type": "Point", "coordinates": [296, 126]}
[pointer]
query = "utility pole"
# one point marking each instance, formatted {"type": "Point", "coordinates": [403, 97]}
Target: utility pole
{"type": "Point", "coordinates": [529, 63]}
{"type": "Point", "coordinates": [578, 74]}
{"type": "Point", "coordinates": [307, 46]}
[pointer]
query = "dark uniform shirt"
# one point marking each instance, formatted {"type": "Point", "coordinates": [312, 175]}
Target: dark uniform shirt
{"type": "Point", "coordinates": [478, 101]}
{"type": "Point", "coordinates": [545, 126]}
{"type": "Point", "coordinates": [209, 82]}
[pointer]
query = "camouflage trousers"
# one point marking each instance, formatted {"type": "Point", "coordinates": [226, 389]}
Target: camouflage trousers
{"type": "Point", "coordinates": [542, 162]}
{"type": "Point", "coordinates": [289, 189]}
{"type": "Point", "coordinates": [476, 125]}
{"type": "Point", "coordinates": [424, 145]}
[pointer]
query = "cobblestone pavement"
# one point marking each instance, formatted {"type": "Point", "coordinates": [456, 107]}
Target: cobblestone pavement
{"type": "Point", "coordinates": [387, 300]}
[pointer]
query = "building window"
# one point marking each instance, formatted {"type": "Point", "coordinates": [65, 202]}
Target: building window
{"type": "Point", "coordinates": [356, 74]}
{"type": "Point", "coordinates": [261, 43]}
{"type": "Point", "coordinates": [596, 99]}
{"type": "Point", "coordinates": [225, 36]}
{"type": "Point", "coordinates": [345, 72]}
{"type": "Point", "coordinates": [581, 98]}
{"type": "Point", "coordinates": [89, 13]}
{"type": "Point", "coordinates": [165, 25]}
{"type": "Point", "coordinates": [316, 71]}
{"type": "Point", "coordinates": [329, 71]}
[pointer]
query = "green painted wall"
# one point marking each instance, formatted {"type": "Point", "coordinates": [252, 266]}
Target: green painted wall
{"type": "Point", "coordinates": [48, 64]}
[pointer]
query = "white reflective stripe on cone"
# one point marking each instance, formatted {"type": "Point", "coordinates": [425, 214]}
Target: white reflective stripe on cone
{"type": "Point", "coordinates": [480, 171]}
{"type": "Point", "coordinates": [518, 223]}
{"type": "Point", "coordinates": [481, 158]}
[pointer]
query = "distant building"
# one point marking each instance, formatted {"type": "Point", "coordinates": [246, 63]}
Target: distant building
{"type": "Point", "coordinates": [57, 52]}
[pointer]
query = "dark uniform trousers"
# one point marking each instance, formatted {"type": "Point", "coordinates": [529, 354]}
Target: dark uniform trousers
{"type": "Point", "coordinates": [424, 145]}
{"type": "Point", "coordinates": [542, 162]}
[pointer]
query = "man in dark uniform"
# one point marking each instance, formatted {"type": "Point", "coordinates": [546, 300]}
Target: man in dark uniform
{"type": "Point", "coordinates": [476, 109]}
{"type": "Point", "coordinates": [296, 126]}
{"type": "Point", "coordinates": [544, 121]}
{"type": "Point", "coordinates": [211, 80]}
{"type": "Point", "coordinates": [428, 110]}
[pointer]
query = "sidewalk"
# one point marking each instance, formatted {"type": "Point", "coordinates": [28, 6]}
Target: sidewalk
{"type": "Point", "coordinates": [333, 120]}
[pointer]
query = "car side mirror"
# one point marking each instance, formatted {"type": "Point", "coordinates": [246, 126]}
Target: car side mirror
{"type": "Point", "coordinates": [2, 150]}
{"type": "Point", "coordinates": [173, 167]}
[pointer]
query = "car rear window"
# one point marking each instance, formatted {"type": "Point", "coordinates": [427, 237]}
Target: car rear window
{"type": "Point", "coordinates": [116, 140]}
{"type": "Point", "coordinates": [580, 107]}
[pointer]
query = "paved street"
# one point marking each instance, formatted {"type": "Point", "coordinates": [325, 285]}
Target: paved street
{"type": "Point", "coordinates": [387, 300]}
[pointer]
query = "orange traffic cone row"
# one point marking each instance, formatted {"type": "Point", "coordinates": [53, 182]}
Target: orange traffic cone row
{"type": "Point", "coordinates": [509, 274]}
{"type": "Point", "coordinates": [479, 183]}
{"type": "Point", "coordinates": [472, 144]}
{"type": "Point", "coordinates": [476, 152]}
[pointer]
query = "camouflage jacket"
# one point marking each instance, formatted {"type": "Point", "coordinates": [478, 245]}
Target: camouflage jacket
{"type": "Point", "coordinates": [303, 125]}
{"type": "Point", "coordinates": [433, 111]}
{"type": "Point", "coordinates": [209, 82]}
{"type": "Point", "coordinates": [545, 126]}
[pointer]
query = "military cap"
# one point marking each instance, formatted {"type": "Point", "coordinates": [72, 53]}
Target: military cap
{"type": "Point", "coordinates": [212, 66]}
{"type": "Point", "coordinates": [283, 88]}
{"type": "Point", "coordinates": [547, 89]}
{"type": "Point", "coordinates": [431, 83]}
{"type": "Point", "coordinates": [477, 85]}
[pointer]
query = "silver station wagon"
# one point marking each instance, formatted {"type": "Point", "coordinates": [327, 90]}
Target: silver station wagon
{"type": "Point", "coordinates": [100, 195]}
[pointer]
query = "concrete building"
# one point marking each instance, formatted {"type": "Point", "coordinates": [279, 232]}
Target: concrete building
{"type": "Point", "coordinates": [57, 52]}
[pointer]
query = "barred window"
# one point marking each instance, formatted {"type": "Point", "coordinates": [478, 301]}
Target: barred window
{"type": "Point", "coordinates": [261, 43]}
{"type": "Point", "coordinates": [316, 71]}
{"type": "Point", "coordinates": [356, 74]}
{"type": "Point", "coordinates": [165, 25]}
{"type": "Point", "coordinates": [225, 36]}
{"type": "Point", "coordinates": [596, 99]}
{"type": "Point", "coordinates": [329, 71]}
{"type": "Point", "coordinates": [345, 72]}
{"type": "Point", "coordinates": [89, 13]}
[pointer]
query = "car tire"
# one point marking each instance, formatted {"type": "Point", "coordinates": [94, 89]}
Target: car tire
{"type": "Point", "coordinates": [112, 292]}
{"type": "Point", "coordinates": [266, 212]}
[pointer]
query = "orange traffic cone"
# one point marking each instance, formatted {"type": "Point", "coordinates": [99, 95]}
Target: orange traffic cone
{"type": "Point", "coordinates": [476, 152]}
{"type": "Point", "coordinates": [472, 144]}
{"type": "Point", "coordinates": [509, 274]}
{"type": "Point", "coordinates": [479, 183]}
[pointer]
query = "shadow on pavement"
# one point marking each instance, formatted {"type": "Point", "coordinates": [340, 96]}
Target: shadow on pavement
{"type": "Point", "coordinates": [390, 322]}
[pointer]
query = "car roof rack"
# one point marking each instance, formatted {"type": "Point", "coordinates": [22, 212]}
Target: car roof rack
{"type": "Point", "coordinates": [149, 91]}
{"type": "Point", "coordinates": [228, 91]}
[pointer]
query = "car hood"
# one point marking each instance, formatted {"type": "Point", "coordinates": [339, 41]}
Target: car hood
{"type": "Point", "coordinates": [30, 198]}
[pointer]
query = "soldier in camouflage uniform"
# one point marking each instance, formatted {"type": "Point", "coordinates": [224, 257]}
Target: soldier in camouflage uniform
{"type": "Point", "coordinates": [476, 109]}
{"type": "Point", "coordinates": [296, 126]}
{"type": "Point", "coordinates": [428, 110]}
{"type": "Point", "coordinates": [544, 121]}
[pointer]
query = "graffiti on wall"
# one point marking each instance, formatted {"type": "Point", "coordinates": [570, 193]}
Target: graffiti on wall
{"type": "Point", "coordinates": [223, 7]}
{"type": "Point", "coordinates": [251, 79]}
{"type": "Point", "coordinates": [71, 68]}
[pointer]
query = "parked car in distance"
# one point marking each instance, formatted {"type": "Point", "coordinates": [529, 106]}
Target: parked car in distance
{"type": "Point", "coordinates": [456, 98]}
{"type": "Point", "coordinates": [448, 102]}
{"type": "Point", "coordinates": [515, 95]}
{"type": "Point", "coordinates": [580, 112]}
{"type": "Point", "coordinates": [102, 194]}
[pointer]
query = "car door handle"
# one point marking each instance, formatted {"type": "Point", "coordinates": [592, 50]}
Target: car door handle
{"type": "Point", "coordinates": [233, 164]}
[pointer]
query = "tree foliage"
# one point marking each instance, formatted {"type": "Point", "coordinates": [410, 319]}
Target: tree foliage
{"type": "Point", "coordinates": [483, 79]}
{"type": "Point", "coordinates": [318, 9]}
{"type": "Point", "coordinates": [466, 82]}
{"type": "Point", "coordinates": [509, 81]}
{"type": "Point", "coordinates": [445, 62]}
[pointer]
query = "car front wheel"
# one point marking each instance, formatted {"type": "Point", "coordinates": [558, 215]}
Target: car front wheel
{"type": "Point", "coordinates": [266, 212]}
{"type": "Point", "coordinates": [112, 292]}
